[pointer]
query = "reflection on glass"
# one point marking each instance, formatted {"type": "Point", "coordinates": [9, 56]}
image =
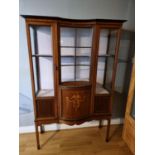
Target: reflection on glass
{"type": "Point", "coordinates": [107, 42]}
{"type": "Point", "coordinates": [100, 70]}
{"type": "Point", "coordinates": [112, 42]}
{"type": "Point", "coordinates": [108, 80]}
{"type": "Point", "coordinates": [120, 77]}
{"type": "Point", "coordinates": [67, 60]}
{"type": "Point", "coordinates": [83, 51]}
{"type": "Point", "coordinates": [67, 51]}
{"type": "Point", "coordinates": [83, 60]}
{"type": "Point", "coordinates": [67, 73]}
{"type": "Point", "coordinates": [82, 73]}
{"type": "Point", "coordinates": [41, 40]}
{"type": "Point", "coordinates": [44, 80]}
{"type": "Point", "coordinates": [67, 36]}
{"type": "Point", "coordinates": [103, 42]}
{"type": "Point", "coordinates": [84, 37]}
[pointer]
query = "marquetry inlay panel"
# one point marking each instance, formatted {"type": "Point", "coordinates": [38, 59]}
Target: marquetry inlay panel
{"type": "Point", "coordinates": [75, 103]}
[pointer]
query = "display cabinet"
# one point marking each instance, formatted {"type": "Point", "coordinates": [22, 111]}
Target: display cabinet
{"type": "Point", "coordinates": [73, 67]}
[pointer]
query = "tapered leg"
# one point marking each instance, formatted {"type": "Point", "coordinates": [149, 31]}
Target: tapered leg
{"type": "Point", "coordinates": [37, 136]}
{"type": "Point", "coordinates": [42, 129]}
{"type": "Point", "coordinates": [100, 124]}
{"type": "Point", "coordinates": [108, 130]}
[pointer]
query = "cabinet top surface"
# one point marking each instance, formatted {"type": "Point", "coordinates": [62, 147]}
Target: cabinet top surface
{"type": "Point", "coordinates": [69, 19]}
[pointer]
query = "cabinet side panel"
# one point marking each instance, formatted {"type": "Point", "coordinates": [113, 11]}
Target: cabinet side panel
{"type": "Point", "coordinates": [101, 104]}
{"type": "Point", "coordinates": [45, 108]}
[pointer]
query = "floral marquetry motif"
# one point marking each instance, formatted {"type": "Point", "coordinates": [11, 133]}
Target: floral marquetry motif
{"type": "Point", "coordinates": [75, 100]}
{"type": "Point", "coordinates": [75, 103]}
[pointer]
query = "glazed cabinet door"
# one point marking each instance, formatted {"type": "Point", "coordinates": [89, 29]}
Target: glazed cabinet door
{"type": "Point", "coordinates": [41, 54]}
{"type": "Point", "coordinates": [107, 55]}
{"type": "Point", "coordinates": [75, 54]}
{"type": "Point", "coordinates": [75, 51]}
{"type": "Point", "coordinates": [106, 69]}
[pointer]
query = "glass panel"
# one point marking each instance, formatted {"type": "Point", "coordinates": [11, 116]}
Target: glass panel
{"type": "Point", "coordinates": [103, 42]}
{"type": "Point", "coordinates": [67, 73]}
{"type": "Point", "coordinates": [126, 48]}
{"type": "Point", "coordinates": [67, 51]}
{"type": "Point", "coordinates": [112, 42]}
{"type": "Point", "coordinates": [67, 36]}
{"type": "Point", "coordinates": [83, 52]}
{"type": "Point", "coordinates": [112, 38]}
{"type": "Point", "coordinates": [42, 57]}
{"type": "Point", "coordinates": [41, 40]}
{"type": "Point", "coordinates": [120, 77]}
{"type": "Point", "coordinates": [107, 42]}
{"type": "Point", "coordinates": [36, 82]}
{"type": "Point", "coordinates": [109, 72]}
{"type": "Point", "coordinates": [100, 70]}
{"type": "Point", "coordinates": [75, 52]}
{"type": "Point", "coordinates": [83, 60]}
{"type": "Point", "coordinates": [82, 73]}
{"type": "Point", "coordinates": [84, 37]}
{"type": "Point", "coordinates": [67, 60]}
{"type": "Point", "coordinates": [46, 77]}
{"type": "Point", "coordinates": [44, 82]}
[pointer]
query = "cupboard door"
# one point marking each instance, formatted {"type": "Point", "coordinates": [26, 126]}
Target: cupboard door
{"type": "Point", "coordinates": [105, 60]}
{"type": "Point", "coordinates": [75, 103]}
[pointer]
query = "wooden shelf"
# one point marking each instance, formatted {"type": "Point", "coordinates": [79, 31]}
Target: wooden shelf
{"type": "Point", "coordinates": [44, 55]}
{"type": "Point", "coordinates": [100, 89]}
{"type": "Point", "coordinates": [75, 65]}
{"type": "Point", "coordinates": [75, 56]}
{"type": "Point", "coordinates": [123, 61]}
{"type": "Point", "coordinates": [106, 55]}
{"type": "Point", "coordinates": [45, 93]}
{"type": "Point", "coordinates": [75, 47]}
{"type": "Point", "coordinates": [41, 55]}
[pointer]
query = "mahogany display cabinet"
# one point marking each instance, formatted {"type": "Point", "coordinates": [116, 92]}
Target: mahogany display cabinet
{"type": "Point", "coordinates": [73, 67]}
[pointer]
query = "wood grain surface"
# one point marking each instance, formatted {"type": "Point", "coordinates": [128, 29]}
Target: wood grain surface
{"type": "Point", "coordinates": [85, 141]}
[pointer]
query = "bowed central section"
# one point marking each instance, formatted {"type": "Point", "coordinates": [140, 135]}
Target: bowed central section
{"type": "Point", "coordinates": [75, 102]}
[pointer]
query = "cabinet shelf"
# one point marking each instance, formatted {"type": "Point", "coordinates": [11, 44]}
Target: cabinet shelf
{"type": "Point", "coordinates": [100, 89]}
{"type": "Point", "coordinates": [123, 61]}
{"type": "Point", "coordinates": [45, 93]}
{"type": "Point", "coordinates": [44, 55]}
{"type": "Point", "coordinates": [75, 56]}
{"type": "Point", "coordinates": [106, 55]}
{"type": "Point", "coordinates": [75, 65]}
{"type": "Point", "coordinates": [41, 55]}
{"type": "Point", "coordinates": [75, 46]}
